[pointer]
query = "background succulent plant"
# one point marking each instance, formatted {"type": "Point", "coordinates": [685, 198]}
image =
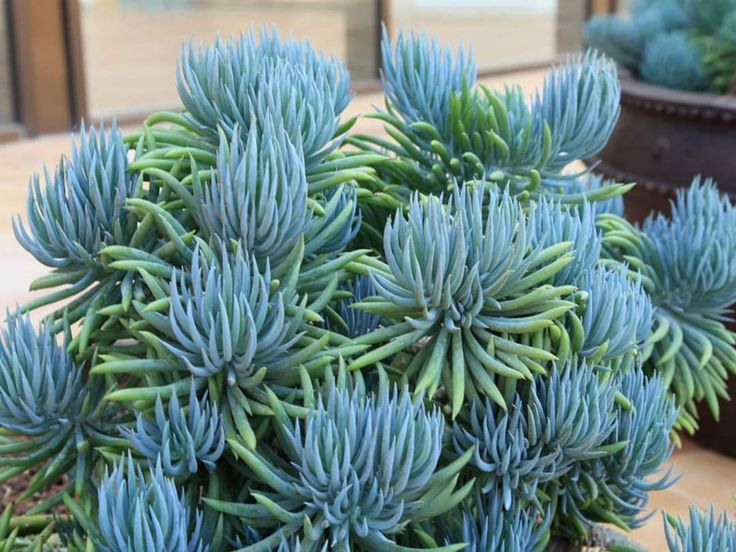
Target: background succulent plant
{"type": "Point", "coordinates": [682, 44]}
{"type": "Point", "coordinates": [440, 339]}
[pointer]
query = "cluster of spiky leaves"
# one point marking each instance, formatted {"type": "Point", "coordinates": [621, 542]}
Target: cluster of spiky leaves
{"type": "Point", "coordinates": [356, 471]}
{"type": "Point", "coordinates": [445, 130]}
{"type": "Point", "coordinates": [686, 264]}
{"type": "Point", "coordinates": [180, 440]}
{"type": "Point", "coordinates": [485, 524]}
{"type": "Point", "coordinates": [681, 44]}
{"type": "Point", "coordinates": [705, 532]}
{"type": "Point", "coordinates": [139, 512]}
{"type": "Point", "coordinates": [443, 339]}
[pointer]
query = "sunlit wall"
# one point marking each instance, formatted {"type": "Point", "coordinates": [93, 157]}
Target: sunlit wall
{"type": "Point", "coordinates": [502, 33]}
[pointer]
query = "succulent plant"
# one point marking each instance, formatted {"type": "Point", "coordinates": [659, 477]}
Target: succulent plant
{"type": "Point", "coordinates": [590, 84]}
{"type": "Point", "coordinates": [592, 182]}
{"type": "Point", "coordinates": [690, 277]}
{"type": "Point", "coordinates": [465, 278]}
{"type": "Point", "coordinates": [558, 421]}
{"type": "Point", "coordinates": [360, 468]}
{"type": "Point", "coordinates": [47, 411]}
{"type": "Point", "coordinates": [709, 15]}
{"type": "Point", "coordinates": [73, 218]}
{"type": "Point", "coordinates": [420, 77]}
{"type": "Point", "coordinates": [671, 60]}
{"type": "Point", "coordinates": [489, 527]}
{"type": "Point", "coordinates": [242, 81]}
{"type": "Point", "coordinates": [332, 233]}
{"type": "Point", "coordinates": [273, 333]}
{"type": "Point", "coordinates": [80, 210]}
{"type": "Point", "coordinates": [551, 223]}
{"type": "Point", "coordinates": [142, 512]}
{"type": "Point", "coordinates": [41, 388]}
{"type": "Point", "coordinates": [179, 440]}
{"type": "Point", "coordinates": [618, 38]}
{"type": "Point", "coordinates": [645, 428]}
{"type": "Point", "coordinates": [614, 487]}
{"type": "Point", "coordinates": [224, 318]}
{"type": "Point", "coordinates": [257, 194]}
{"type": "Point", "coordinates": [681, 44]}
{"type": "Point", "coordinates": [617, 315]}
{"type": "Point", "coordinates": [352, 321]}
{"type": "Point", "coordinates": [705, 532]}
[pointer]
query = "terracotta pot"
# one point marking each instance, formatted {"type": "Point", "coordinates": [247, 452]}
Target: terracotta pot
{"type": "Point", "coordinates": [666, 137]}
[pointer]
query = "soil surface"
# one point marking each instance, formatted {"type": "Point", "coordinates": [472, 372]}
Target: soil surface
{"type": "Point", "coordinates": [11, 489]}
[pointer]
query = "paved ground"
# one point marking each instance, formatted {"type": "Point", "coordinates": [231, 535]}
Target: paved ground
{"type": "Point", "coordinates": [706, 477]}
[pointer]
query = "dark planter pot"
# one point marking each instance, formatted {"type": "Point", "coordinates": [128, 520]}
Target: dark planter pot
{"type": "Point", "coordinates": [666, 137]}
{"type": "Point", "coordinates": [663, 139]}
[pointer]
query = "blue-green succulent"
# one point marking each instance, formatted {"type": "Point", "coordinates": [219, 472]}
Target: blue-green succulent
{"type": "Point", "coordinates": [359, 468]}
{"type": "Point", "coordinates": [41, 388]}
{"type": "Point", "coordinates": [680, 44]}
{"type": "Point", "coordinates": [705, 532]}
{"type": "Point", "coordinates": [557, 422]}
{"type": "Point", "coordinates": [686, 262]}
{"type": "Point", "coordinates": [181, 441]}
{"type": "Point", "coordinates": [243, 81]}
{"type": "Point", "coordinates": [446, 130]}
{"type": "Point", "coordinates": [614, 487]}
{"type": "Point", "coordinates": [489, 527]}
{"type": "Point", "coordinates": [257, 194]}
{"type": "Point", "coordinates": [352, 321]}
{"type": "Point", "coordinates": [274, 333]}
{"type": "Point", "coordinates": [81, 207]}
{"type": "Point", "coordinates": [224, 317]}
{"type": "Point", "coordinates": [671, 60]}
{"type": "Point", "coordinates": [465, 277]}
{"type": "Point", "coordinates": [617, 314]}
{"type": "Point", "coordinates": [143, 511]}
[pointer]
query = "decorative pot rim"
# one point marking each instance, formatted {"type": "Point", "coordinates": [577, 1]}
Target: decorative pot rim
{"type": "Point", "coordinates": [597, 165]}
{"type": "Point", "coordinates": [702, 106]}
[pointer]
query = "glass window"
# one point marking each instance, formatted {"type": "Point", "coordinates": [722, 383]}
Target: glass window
{"type": "Point", "coordinates": [131, 46]}
{"type": "Point", "coordinates": [502, 33]}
